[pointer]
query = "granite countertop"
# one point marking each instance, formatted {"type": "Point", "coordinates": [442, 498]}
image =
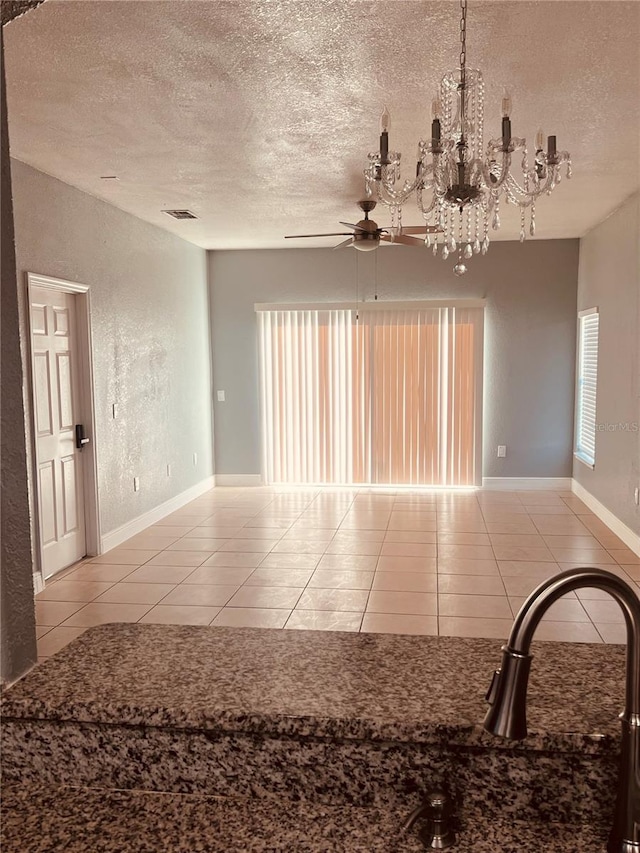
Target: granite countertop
{"type": "Point", "coordinates": [320, 684]}
{"type": "Point", "coordinates": [75, 820]}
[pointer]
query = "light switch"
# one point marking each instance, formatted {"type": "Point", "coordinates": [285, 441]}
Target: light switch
{"type": "Point", "coordinates": [136, 484]}
{"type": "Point", "coordinates": [502, 451]}
{"type": "Point", "coordinates": [221, 397]}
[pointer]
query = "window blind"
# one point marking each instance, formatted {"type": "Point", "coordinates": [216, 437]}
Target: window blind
{"type": "Point", "coordinates": [378, 396]}
{"type": "Point", "coordinates": [587, 383]}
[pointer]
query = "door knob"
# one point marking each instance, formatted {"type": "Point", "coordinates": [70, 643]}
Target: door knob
{"type": "Point", "coordinates": [81, 438]}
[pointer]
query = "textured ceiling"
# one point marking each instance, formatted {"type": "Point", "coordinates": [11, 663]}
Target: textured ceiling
{"type": "Point", "coordinates": [258, 116]}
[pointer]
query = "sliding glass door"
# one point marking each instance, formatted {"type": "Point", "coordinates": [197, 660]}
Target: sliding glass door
{"type": "Point", "coordinates": [390, 394]}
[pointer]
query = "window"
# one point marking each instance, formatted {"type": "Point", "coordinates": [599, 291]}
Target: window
{"type": "Point", "coordinates": [389, 394]}
{"type": "Point", "coordinates": [587, 382]}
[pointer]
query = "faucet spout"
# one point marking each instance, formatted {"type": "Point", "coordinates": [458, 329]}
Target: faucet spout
{"type": "Point", "coordinates": [507, 695]}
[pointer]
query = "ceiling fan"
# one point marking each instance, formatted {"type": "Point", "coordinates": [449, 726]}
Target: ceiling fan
{"type": "Point", "coordinates": [366, 236]}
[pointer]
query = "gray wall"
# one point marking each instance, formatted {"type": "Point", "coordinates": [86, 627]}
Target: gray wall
{"type": "Point", "coordinates": [150, 336]}
{"type": "Point", "coordinates": [17, 618]}
{"type": "Point", "coordinates": [609, 278]}
{"type": "Point", "coordinates": [529, 337]}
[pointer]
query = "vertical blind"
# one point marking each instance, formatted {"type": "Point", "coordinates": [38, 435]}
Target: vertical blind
{"type": "Point", "coordinates": [378, 396]}
{"type": "Point", "coordinates": [588, 324]}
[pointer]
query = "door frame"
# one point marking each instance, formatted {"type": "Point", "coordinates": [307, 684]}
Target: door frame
{"type": "Point", "coordinates": [87, 406]}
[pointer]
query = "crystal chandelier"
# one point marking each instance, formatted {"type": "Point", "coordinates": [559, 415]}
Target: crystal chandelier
{"type": "Point", "coordinates": [460, 184]}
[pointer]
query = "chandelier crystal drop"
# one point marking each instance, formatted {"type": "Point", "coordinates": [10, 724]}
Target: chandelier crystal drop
{"type": "Point", "coordinates": [459, 183]}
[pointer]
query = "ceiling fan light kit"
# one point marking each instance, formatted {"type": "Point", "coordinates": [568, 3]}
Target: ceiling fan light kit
{"type": "Point", "coordinates": [459, 184]}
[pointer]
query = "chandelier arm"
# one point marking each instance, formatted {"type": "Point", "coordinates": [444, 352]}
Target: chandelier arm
{"type": "Point", "coordinates": [492, 181]}
{"type": "Point", "coordinates": [532, 195]}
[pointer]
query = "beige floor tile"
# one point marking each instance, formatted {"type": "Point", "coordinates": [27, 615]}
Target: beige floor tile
{"type": "Point", "coordinates": [213, 532]}
{"type": "Point", "coordinates": [408, 549]}
{"type": "Point", "coordinates": [612, 632]}
{"type": "Point", "coordinates": [280, 577]}
{"type": "Point", "coordinates": [406, 581]}
{"type": "Point", "coordinates": [163, 614]}
{"type": "Point", "coordinates": [206, 595]}
{"type": "Point", "coordinates": [290, 561]}
{"type": "Point", "coordinates": [180, 558]}
{"type": "Point", "coordinates": [416, 603]}
{"type": "Point", "coordinates": [219, 576]}
{"type": "Point", "coordinates": [521, 585]}
{"type": "Point", "coordinates": [177, 519]}
{"type": "Point", "coordinates": [41, 630]}
{"type": "Point", "coordinates": [280, 523]}
{"type": "Point", "coordinates": [197, 543]}
{"type": "Point", "coordinates": [149, 542]}
{"type": "Point", "coordinates": [456, 626]}
{"type": "Point", "coordinates": [610, 542]}
{"type": "Point", "coordinates": [340, 579]}
{"type": "Point", "coordinates": [466, 552]}
{"type": "Point", "coordinates": [299, 546]}
{"type": "Point", "coordinates": [567, 632]}
{"type": "Point", "coordinates": [516, 552]}
{"type": "Point", "coordinates": [406, 564]}
{"type": "Point", "coordinates": [251, 617]}
{"type": "Point", "coordinates": [359, 535]}
{"type": "Point", "coordinates": [625, 556]}
{"type": "Point", "coordinates": [333, 599]}
{"type": "Point", "coordinates": [235, 559]}
{"type": "Point", "coordinates": [168, 530]}
{"type": "Point", "coordinates": [135, 593]}
{"type": "Point", "coordinates": [465, 566]}
{"type": "Point", "coordinates": [470, 584]}
{"type": "Point", "coordinates": [100, 613]}
{"type": "Point", "coordinates": [476, 606]}
{"type": "Point", "coordinates": [452, 525]}
{"type": "Point", "coordinates": [72, 590]}
{"type": "Point", "coordinates": [564, 610]}
{"type": "Point", "coordinates": [270, 597]}
{"type": "Point", "coordinates": [311, 534]}
{"type": "Point", "coordinates": [398, 623]}
{"type": "Point", "coordinates": [100, 573]}
{"type": "Point", "coordinates": [271, 533]}
{"type": "Point", "coordinates": [463, 538]}
{"type": "Point", "coordinates": [159, 574]}
{"type": "Point", "coordinates": [571, 541]}
{"type": "Point", "coordinates": [357, 548]}
{"type": "Point", "coordinates": [604, 611]}
{"type": "Point", "coordinates": [512, 513]}
{"type": "Point", "coordinates": [527, 568]}
{"type": "Point", "coordinates": [251, 545]}
{"type": "Point", "coordinates": [56, 639]}
{"type": "Point", "coordinates": [125, 556]}
{"type": "Point", "coordinates": [420, 521]}
{"type": "Point", "coordinates": [632, 572]}
{"type": "Point", "coordinates": [518, 540]}
{"type": "Point", "coordinates": [415, 536]}
{"type": "Point", "coordinates": [363, 523]}
{"type": "Point", "coordinates": [560, 525]}
{"type": "Point", "coordinates": [582, 555]}
{"type": "Point", "coordinates": [355, 562]}
{"type": "Point", "coordinates": [523, 526]}
{"type": "Point", "coordinates": [324, 620]}
{"type": "Point", "coordinates": [52, 613]}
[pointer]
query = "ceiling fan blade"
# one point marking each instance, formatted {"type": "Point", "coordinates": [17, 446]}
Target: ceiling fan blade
{"type": "Point", "coordinates": [406, 241]}
{"type": "Point", "coordinates": [348, 242]}
{"type": "Point", "coordinates": [421, 229]}
{"type": "Point", "coordinates": [333, 234]}
{"type": "Point", "coordinates": [351, 225]}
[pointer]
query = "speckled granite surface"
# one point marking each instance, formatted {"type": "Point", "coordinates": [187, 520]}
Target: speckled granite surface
{"type": "Point", "coordinates": [76, 820]}
{"type": "Point", "coordinates": [321, 684]}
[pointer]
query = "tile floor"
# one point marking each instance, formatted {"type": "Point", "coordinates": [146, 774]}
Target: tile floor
{"type": "Point", "coordinates": [447, 562]}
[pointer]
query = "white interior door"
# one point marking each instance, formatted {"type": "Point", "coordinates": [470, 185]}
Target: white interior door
{"type": "Point", "coordinates": [57, 406]}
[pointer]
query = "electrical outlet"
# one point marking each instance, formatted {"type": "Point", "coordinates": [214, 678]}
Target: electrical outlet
{"type": "Point", "coordinates": [502, 451]}
{"type": "Point", "coordinates": [221, 397]}
{"type": "Point", "coordinates": [136, 484]}
{"type": "Point", "coordinates": [195, 459]}
{"type": "Point", "coordinates": [168, 470]}
{"type": "Point", "coordinates": [636, 496]}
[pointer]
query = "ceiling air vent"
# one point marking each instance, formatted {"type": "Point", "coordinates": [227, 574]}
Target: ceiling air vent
{"type": "Point", "coordinates": [180, 214]}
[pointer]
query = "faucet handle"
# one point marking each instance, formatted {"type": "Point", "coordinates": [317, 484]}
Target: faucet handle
{"type": "Point", "coordinates": [492, 692]}
{"type": "Point", "coordinates": [438, 834]}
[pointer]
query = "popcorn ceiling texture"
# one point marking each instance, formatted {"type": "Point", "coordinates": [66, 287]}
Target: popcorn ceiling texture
{"type": "Point", "coordinates": [258, 116]}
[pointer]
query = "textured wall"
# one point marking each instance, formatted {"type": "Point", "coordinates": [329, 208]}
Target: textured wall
{"type": "Point", "coordinates": [150, 337]}
{"type": "Point", "coordinates": [529, 337]}
{"type": "Point", "coordinates": [17, 620]}
{"type": "Point", "coordinates": [609, 278]}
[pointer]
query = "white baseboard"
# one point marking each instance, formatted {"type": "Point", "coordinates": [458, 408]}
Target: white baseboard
{"type": "Point", "coordinates": [38, 583]}
{"type": "Point", "coordinates": [137, 525]}
{"type": "Point", "coordinates": [238, 480]}
{"type": "Point", "coordinates": [628, 536]}
{"type": "Point", "coordinates": [524, 483]}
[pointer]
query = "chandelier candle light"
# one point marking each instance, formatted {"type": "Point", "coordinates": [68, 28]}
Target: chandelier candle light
{"type": "Point", "coordinates": [459, 185]}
